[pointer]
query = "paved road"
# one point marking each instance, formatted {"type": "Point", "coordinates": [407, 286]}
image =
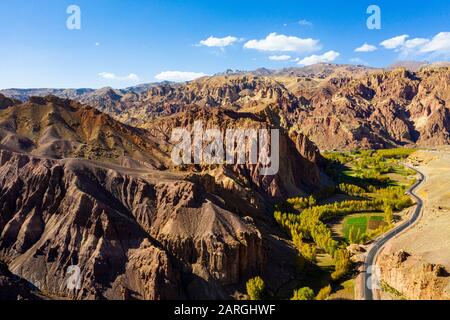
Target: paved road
{"type": "Point", "coordinates": [380, 242]}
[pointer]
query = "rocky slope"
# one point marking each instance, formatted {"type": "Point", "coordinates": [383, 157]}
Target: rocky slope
{"type": "Point", "coordinates": [337, 107]}
{"type": "Point", "coordinates": [126, 233]}
{"type": "Point", "coordinates": [13, 287]}
{"type": "Point", "coordinates": [430, 281]}
{"type": "Point", "coordinates": [59, 128]}
{"type": "Point", "coordinates": [7, 102]}
{"type": "Point", "coordinates": [381, 110]}
{"type": "Point", "coordinates": [78, 188]}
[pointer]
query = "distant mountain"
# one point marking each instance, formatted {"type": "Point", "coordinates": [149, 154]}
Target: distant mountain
{"type": "Point", "coordinates": [320, 70]}
{"type": "Point", "coordinates": [24, 94]}
{"type": "Point", "coordinates": [75, 94]}
{"type": "Point", "coordinates": [337, 106]}
{"type": "Point", "coordinates": [382, 109]}
{"type": "Point", "coordinates": [324, 70]}
{"type": "Point", "coordinates": [409, 65]}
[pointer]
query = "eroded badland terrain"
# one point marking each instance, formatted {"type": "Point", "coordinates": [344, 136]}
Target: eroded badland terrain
{"type": "Point", "coordinates": [86, 180]}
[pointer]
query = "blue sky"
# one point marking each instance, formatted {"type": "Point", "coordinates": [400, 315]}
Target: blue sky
{"type": "Point", "coordinates": [123, 43]}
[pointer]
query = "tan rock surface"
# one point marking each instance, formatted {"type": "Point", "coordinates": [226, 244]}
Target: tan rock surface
{"type": "Point", "coordinates": [423, 274]}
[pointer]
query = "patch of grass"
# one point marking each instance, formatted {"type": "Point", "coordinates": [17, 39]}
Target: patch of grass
{"type": "Point", "coordinates": [344, 291]}
{"type": "Point", "coordinates": [358, 222]}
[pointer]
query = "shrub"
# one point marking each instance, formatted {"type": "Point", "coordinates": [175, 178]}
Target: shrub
{"type": "Point", "coordinates": [342, 263]}
{"type": "Point", "coordinates": [303, 294]}
{"type": "Point", "coordinates": [256, 288]}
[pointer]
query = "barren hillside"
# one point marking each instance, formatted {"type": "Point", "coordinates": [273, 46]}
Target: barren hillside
{"type": "Point", "coordinates": [417, 263]}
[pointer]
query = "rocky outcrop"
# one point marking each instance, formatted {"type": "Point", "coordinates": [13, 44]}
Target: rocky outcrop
{"type": "Point", "coordinates": [383, 109]}
{"type": "Point", "coordinates": [299, 169]}
{"type": "Point", "coordinates": [7, 102]}
{"type": "Point", "coordinates": [13, 287]}
{"type": "Point", "coordinates": [128, 235]}
{"type": "Point", "coordinates": [414, 279]}
{"type": "Point", "coordinates": [78, 188]}
{"type": "Point", "coordinates": [60, 128]}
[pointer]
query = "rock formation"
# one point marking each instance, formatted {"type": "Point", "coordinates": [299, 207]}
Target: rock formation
{"type": "Point", "coordinates": [337, 107]}
{"type": "Point", "coordinates": [429, 281]}
{"type": "Point", "coordinates": [78, 188]}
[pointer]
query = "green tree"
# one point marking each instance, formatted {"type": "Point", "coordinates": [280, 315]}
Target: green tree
{"type": "Point", "coordinates": [256, 288]}
{"type": "Point", "coordinates": [389, 214]}
{"type": "Point", "coordinates": [303, 294]}
{"type": "Point", "coordinates": [342, 264]}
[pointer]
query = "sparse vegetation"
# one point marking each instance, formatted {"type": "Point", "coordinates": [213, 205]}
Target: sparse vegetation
{"type": "Point", "coordinates": [389, 289]}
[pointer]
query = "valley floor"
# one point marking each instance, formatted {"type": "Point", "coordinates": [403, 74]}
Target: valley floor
{"type": "Point", "coordinates": [332, 229]}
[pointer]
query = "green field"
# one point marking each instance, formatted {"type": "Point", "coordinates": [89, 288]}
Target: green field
{"type": "Point", "coordinates": [363, 222]}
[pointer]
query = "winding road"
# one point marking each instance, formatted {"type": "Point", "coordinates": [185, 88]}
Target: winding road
{"type": "Point", "coordinates": [368, 273]}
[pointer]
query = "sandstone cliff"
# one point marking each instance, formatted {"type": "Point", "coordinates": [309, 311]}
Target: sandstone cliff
{"type": "Point", "coordinates": [429, 281]}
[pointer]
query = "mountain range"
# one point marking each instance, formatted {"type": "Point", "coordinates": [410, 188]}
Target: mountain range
{"type": "Point", "coordinates": [338, 107]}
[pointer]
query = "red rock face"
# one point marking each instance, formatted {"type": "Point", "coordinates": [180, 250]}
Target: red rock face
{"type": "Point", "coordinates": [429, 281]}
{"type": "Point", "coordinates": [126, 234]}
{"type": "Point", "coordinates": [79, 188]}
{"type": "Point", "coordinates": [337, 107]}
{"type": "Point", "coordinates": [380, 110]}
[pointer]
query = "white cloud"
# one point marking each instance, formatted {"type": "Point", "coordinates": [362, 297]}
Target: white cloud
{"type": "Point", "coordinates": [283, 57]}
{"type": "Point", "coordinates": [415, 43]}
{"type": "Point", "coordinates": [219, 42]}
{"type": "Point", "coordinates": [410, 49]}
{"type": "Point", "coordinates": [280, 42]}
{"type": "Point", "coordinates": [179, 76]}
{"type": "Point", "coordinates": [440, 44]}
{"type": "Point", "coordinates": [305, 23]}
{"type": "Point", "coordinates": [395, 43]}
{"type": "Point", "coordinates": [366, 48]}
{"type": "Point", "coordinates": [112, 76]}
{"type": "Point", "coordinates": [326, 57]}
